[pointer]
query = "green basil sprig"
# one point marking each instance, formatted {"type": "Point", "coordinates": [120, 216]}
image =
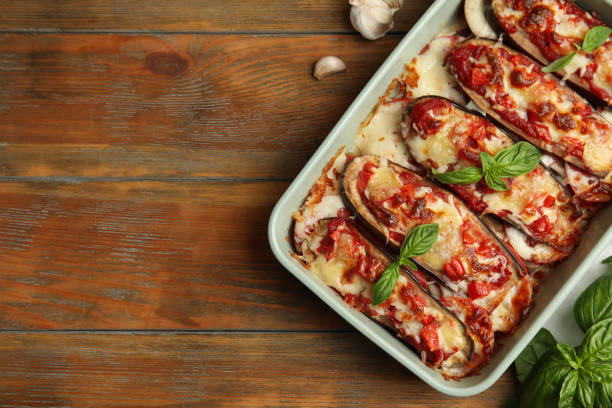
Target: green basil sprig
{"type": "Point", "coordinates": [557, 374]}
{"type": "Point", "coordinates": [595, 37]}
{"type": "Point", "coordinates": [608, 260]}
{"type": "Point", "coordinates": [513, 161]}
{"type": "Point", "coordinates": [541, 343]}
{"type": "Point", "coordinates": [417, 242]}
{"type": "Point", "coordinates": [464, 176]}
{"type": "Point", "coordinates": [595, 303]}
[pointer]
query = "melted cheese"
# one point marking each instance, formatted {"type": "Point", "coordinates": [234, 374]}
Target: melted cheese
{"type": "Point", "coordinates": [434, 77]}
{"type": "Point", "coordinates": [537, 253]}
{"type": "Point", "coordinates": [438, 146]}
{"type": "Point", "coordinates": [381, 135]}
{"type": "Point", "coordinates": [323, 201]}
{"type": "Point", "coordinates": [382, 184]}
{"type": "Point", "coordinates": [328, 207]}
{"type": "Point", "coordinates": [449, 237]}
{"type": "Point", "coordinates": [503, 316]}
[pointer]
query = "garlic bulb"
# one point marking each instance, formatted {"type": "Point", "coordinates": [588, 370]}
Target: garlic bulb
{"type": "Point", "coordinates": [328, 65]}
{"type": "Point", "coordinates": [373, 18]}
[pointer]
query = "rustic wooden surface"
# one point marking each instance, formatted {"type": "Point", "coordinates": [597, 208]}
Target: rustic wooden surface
{"type": "Point", "coordinates": [142, 147]}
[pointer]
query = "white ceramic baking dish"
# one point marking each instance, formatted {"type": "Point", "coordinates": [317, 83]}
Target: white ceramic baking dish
{"type": "Point", "coordinates": [555, 288]}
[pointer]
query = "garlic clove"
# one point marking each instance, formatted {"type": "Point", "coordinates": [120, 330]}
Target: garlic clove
{"type": "Point", "coordinates": [373, 18]}
{"type": "Point", "coordinates": [327, 66]}
{"type": "Point", "coordinates": [394, 5]}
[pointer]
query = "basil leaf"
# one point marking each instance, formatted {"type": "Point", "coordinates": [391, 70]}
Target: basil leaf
{"type": "Point", "coordinates": [516, 160]}
{"type": "Point", "coordinates": [608, 260]}
{"type": "Point", "coordinates": [419, 241]}
{"type": "Point", "coordinates": [597, 372]}
{"type": "Point", "coordinates": [488, 163]}
{"type": "Point", "coordinates": [489, 167]}
{"type": "Point", "coordinates": [595, 37]}
{"type": "Point", "coordinates": [410, 264]}
{"type": "Point", "coordinates": [568, 389]}
{"type": "Point", "coordinates": [584, 393]}
{"type": "Point", "coordinates": [603, 394]}
{"type": "Point", "coordinates": [597, 344]}
{"type": "Point", "coordinates": [495, 182]}
{"type": "Point", "coordinates": [464, 176]}
{"type": "Point", "coordinates": [541, 388]}
{"type": "Point", "coordinates": [559, 63]}
{"type": "Point", "coordinates": [595, 303]}
{"type": "Point", "coordinates": [570, 354]}
{"type": "Point", "coordinates": [538, 346]}
{"type": "Point", "coordinates": [384, 285]}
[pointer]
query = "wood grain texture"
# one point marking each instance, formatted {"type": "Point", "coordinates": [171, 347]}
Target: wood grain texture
{"type": "Point", "coordinates": [150, 254]}
{"type": "Point", "coordinates": [214, 370]}
{"type": "Point", "coordinates": [190, 15]}
{"type": "Point", "coordinates": [142, 147]}
{"type": "Point", "coordinates": [172, 105]}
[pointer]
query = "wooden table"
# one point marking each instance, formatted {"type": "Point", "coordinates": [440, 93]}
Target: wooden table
{"type": "Point", "coordinates": [143, 145]}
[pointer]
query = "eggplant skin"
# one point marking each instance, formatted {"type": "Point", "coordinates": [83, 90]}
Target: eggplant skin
{"type": "Point", "coordinates": [458, 119]}
{"type": "Point", "coordinates": [596, 142]}
{"type": "Point", "coordinates": [476, 334]}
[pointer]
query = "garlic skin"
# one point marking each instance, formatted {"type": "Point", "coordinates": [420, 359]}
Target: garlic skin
{"type": "Point", "coordinates": [373, 18]}
{"type": "Point", "coordinates": [327, 66]}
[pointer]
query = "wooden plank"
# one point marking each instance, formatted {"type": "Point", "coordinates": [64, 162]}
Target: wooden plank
{"type": "Point", "coordinates": [214, 370]}
{"type": "Point", "coordinates": [189, 15]}
{"type": "Point", "coordinates": [147, 255]}
{"type": "Point", "coordinates": [172, 105]}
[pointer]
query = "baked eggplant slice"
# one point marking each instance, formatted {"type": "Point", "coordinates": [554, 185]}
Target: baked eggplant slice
{"type": "Point", "coordinates": [444, 137]}
{"type": "Point", "coordinates": [513, 89]}
{"type": "Point", "coordinates": [466, 257]}
{"type": "Point", "coordinates": [323, 201]}
{"type": "Point", "coordinates": [551, 29]}
{"type": "Point", "coordinates": [480, 18]}
{"type": "Point", "coordinates": [586, 186]}
{"type": "Point", "coordinates": [349, 263]}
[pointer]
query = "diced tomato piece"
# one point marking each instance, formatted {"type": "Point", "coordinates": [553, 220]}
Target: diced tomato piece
{"type": "Point", "coordinates": [368, 268]}
{"type": "Point", "coordinates": [478, 289]}
{"type": "Point", "coordinates": [454, 269]}
{"type": "Point", "coordinates": [503, 213]}
{"type": "Point", "coordinates": [541, 226]}
{"type": "Point", "coordinates": [549, 201]}
{"type": "Point", "coordinates": [409, 296]}
{"type": "Point", "coordinates": [396, 236]}
{"type": "Point", "coordinates": [423, 115]}
{"type": "Point", "coordinates": [364, 176]}
{"type": "Point", "coordinates": [429, 336]}
{"type": "Point", "coordinates": [471, 233]}
{"type": "Point", "coordinates": [334, 224]}
{"type": "Point", "coordinates": [326, 247]}
{"type": "Point", "coordinates": [408, 180]}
